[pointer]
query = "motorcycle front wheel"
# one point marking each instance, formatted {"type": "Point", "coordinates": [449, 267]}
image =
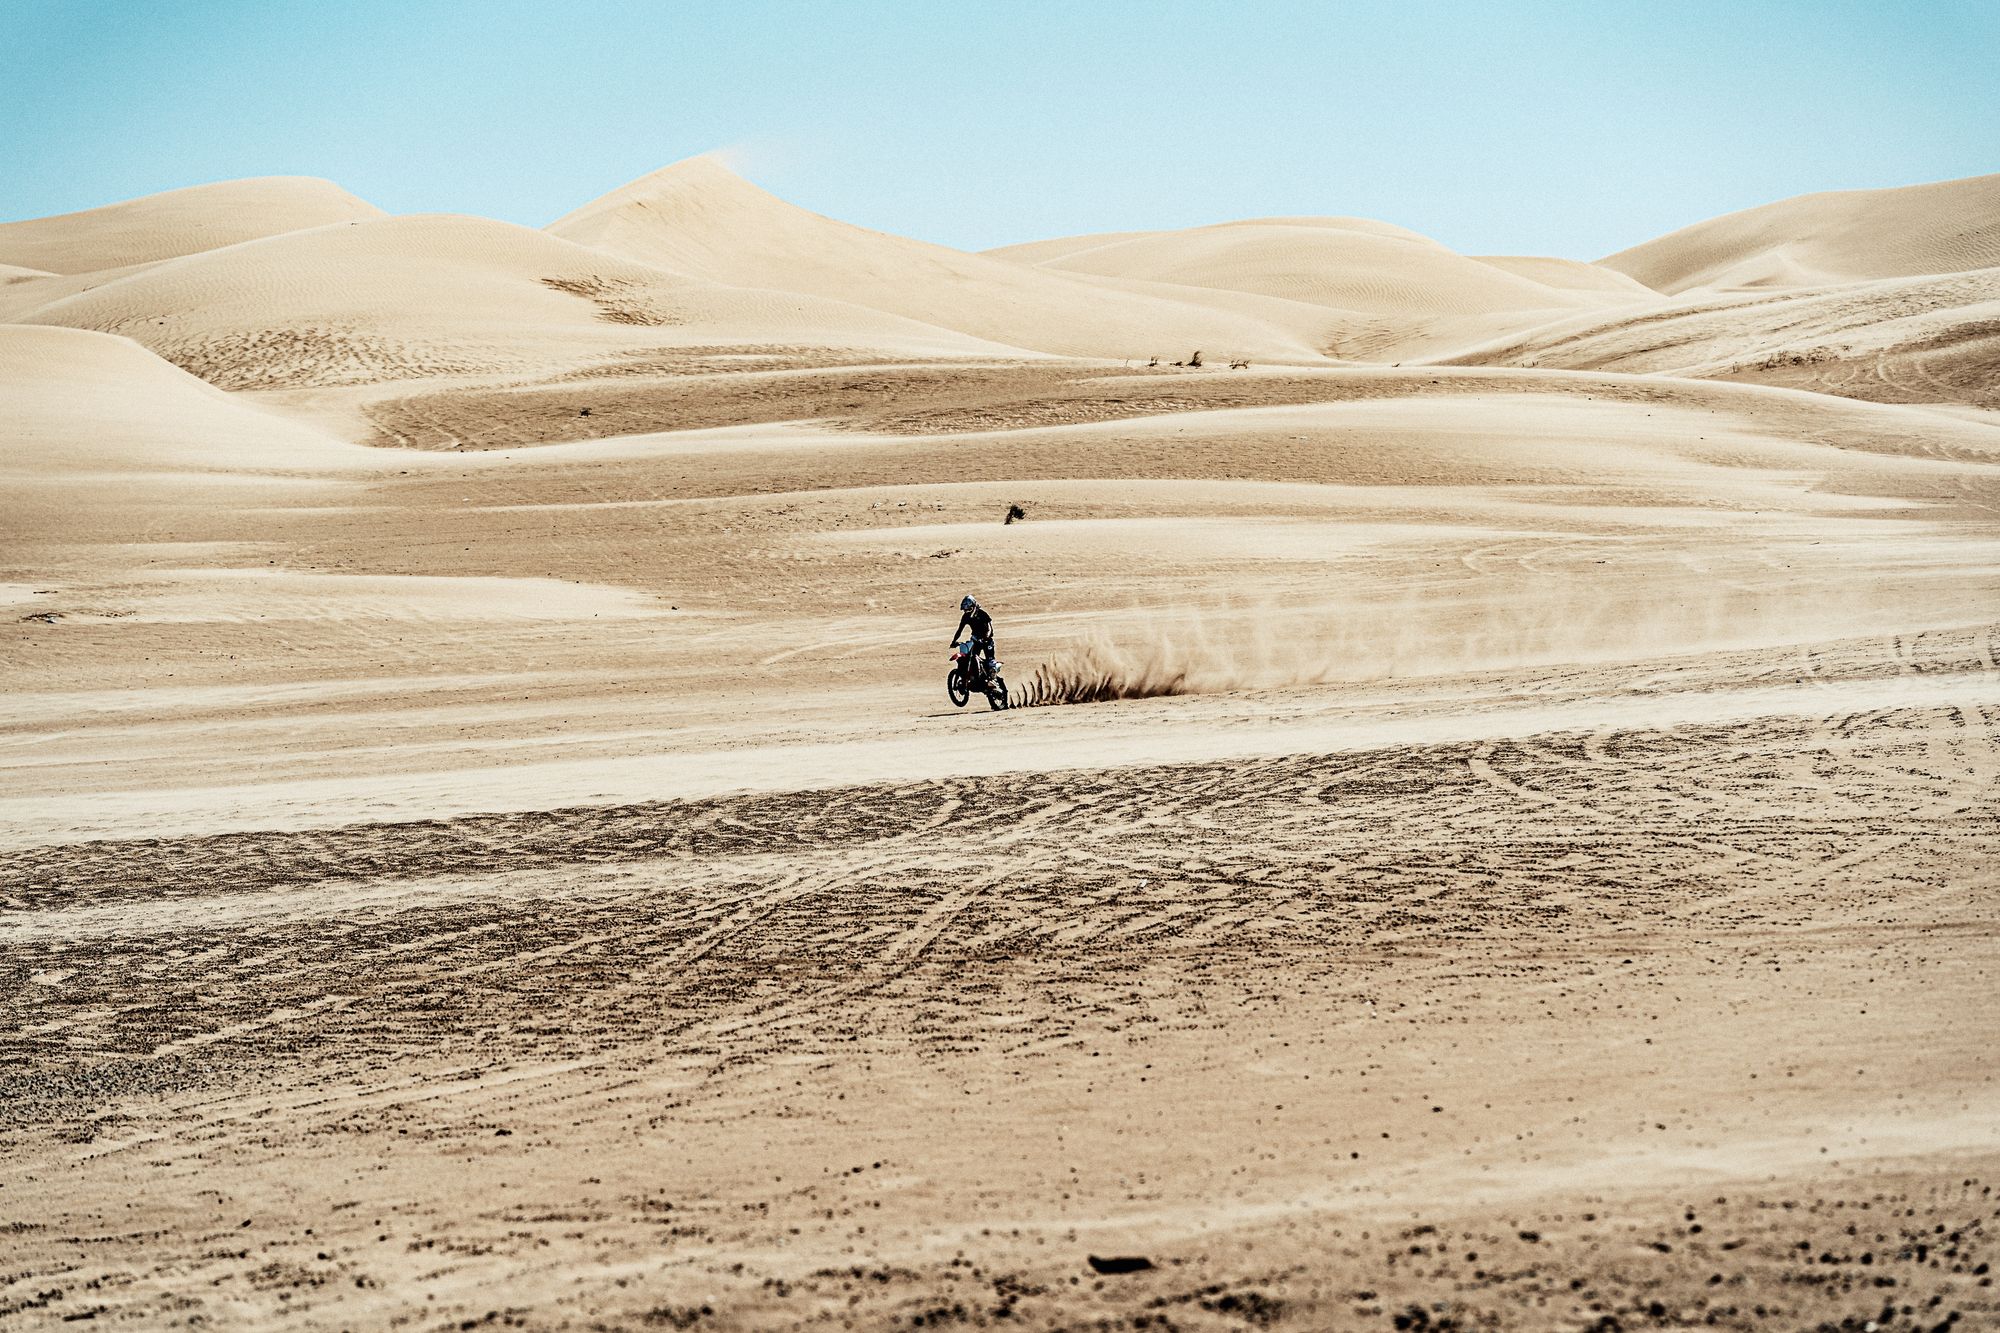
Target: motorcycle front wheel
{"type": "Point", "coordinates": [996, 694]}
{"type": "Point", "coordinates": [954, 687]}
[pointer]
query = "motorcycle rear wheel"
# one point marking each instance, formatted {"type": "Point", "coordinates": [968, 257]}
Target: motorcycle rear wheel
{"type": "Point", "coordinates": [955, 688]}
{"type": "Point", "coordinates": [996, 694]}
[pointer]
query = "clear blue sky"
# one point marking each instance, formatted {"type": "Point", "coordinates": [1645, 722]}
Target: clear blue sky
{"type": "Point", "coordinates": [1540, 128]}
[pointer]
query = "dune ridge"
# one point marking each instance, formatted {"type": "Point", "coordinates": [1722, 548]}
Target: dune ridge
{"type": "Point", "coordinates": [1813, 240]}
{"type": "Point", "coordinates": [1574, 275]}
{"type": "Point", "coordinates": [700, 218]}
{"type": "Point", "coordinates": [1397, 295]}
{"type": "Point", "coordinates": [438, 295]}
{"type": "Point", "coordinates": [1911, 340]}
{"type": "Point", "coordinates": [178, 222]}
{"type": "Point", "coordinates": [1377, 270]}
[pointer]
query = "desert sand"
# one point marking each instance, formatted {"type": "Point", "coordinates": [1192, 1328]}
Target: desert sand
{"type": "Point", "coordinates": [1498, 828]}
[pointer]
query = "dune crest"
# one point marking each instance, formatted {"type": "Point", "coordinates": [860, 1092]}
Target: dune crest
{"type": "Point", "coordinates": [1057, 248]}
{"type": "Point", "coordinates": [1573, 275]}
{"type": "Point", "coordinates": [1398, 295]}
{"type": "Point", "coordinates": [698, 217]}
{"type": "Point", "coordinates": [1831, 237]}
{"type": "Point", "coordinates": [1370, 271]}
{"type": "Point", "coordinates": [178, 222]}
{"type": "Point", "coordinates": [445, 296]}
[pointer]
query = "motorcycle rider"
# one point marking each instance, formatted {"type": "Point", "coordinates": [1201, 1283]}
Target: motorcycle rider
{"type": "Point", "coordinates": [973, 616]}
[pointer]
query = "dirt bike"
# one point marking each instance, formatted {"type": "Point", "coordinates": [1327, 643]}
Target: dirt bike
{"type": "Point", "coordinates": [969, 673]}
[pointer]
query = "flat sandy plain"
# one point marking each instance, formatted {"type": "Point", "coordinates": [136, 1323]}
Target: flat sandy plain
{"type": "Point", "coordinates": [484, 842]}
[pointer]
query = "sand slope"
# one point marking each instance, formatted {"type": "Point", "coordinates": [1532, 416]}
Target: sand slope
{"type": "Point", "coordinates": [1055, 249]}
{"type": "Point", "coordinates": [22, 296]}
{"type": "Point", "coordinates": [22, 289]}
{"type": "Point", "coordinates": [1837, 236]}
{"type": "Point", "coordinates": [1573, 275]}
{"type": "Point", "coordinates": [1059, 247]}
{"type": "Point", "coordinates": [178, 222]}
{"type": "Point", "coordinates": [80, 402]}
{"type": "Point", "coordinates": [1930, 339]}
{"type": "Point", "coordinates": [436, 295]}
{"type": "Point", "coordinates": [698, 217]}
{"type": "Point", "coordinates": [1366, 267]}
{"type": "Point", "coordinates": [1398, 295]}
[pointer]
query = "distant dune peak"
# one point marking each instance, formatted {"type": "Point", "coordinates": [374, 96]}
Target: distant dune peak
{"type": "Point", "coordinates": [289, 281]}
{"type": "Point", "coordinates": [441, 296]}
{"type": "Point", "coordinates": [690, 182]}
{"type": "Point", "coordinates": [1053, 251]}
{"type": "Point", "coordinates": [1356, 266]}
{"type": "Point", "coordinates": [699, 217]}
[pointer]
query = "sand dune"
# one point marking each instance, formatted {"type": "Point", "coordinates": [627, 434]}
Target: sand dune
{"type": "Point", "coordinates": [697, 217]}
{"type": "Point", "coordinates": [1398, 295]}
{"type": "Point", "coordinates": [1839, 236]}
{"type": "Point", "coordinates": [1054, 249]}
{"type": "Point", "coordinates": [109, 452]}
{"type": "Point", "coordinates": [526, 872]}
{"type": "Point", "coordinates": [178, 222]}
{"type": "Point", "coordinates": [1571, 275]}
{"type": "Point", "coordinates": [1372, 269]}
{"type": "Point", "coordinates": [81, 403]}
{"type": "Point", "coordinates": [1058, 247]}
{"type": "Point", "coordinates": [22, 289]}
{"type": "Point", "coordinates": [25, 295]}
{"type": "Point", "coordinates": [442, 296]}
{"type": "Point", "coordinates": [1932, 339]}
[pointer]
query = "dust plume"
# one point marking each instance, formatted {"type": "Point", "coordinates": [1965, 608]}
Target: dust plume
{"type": "Point", "coordinates": [1097, 673]}
{"type": "Point", "coordinates": [1548, 624]}
{"type": "Point", "coordinates": [1191, 654]}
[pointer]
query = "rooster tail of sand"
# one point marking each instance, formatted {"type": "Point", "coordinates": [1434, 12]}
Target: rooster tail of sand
{"type": "Point", "coordinates": [1189, 655]}
{"type": "Point", "coordinates": [1192, 654]}
{"type": "Point", "coordinates": [1092, 674]}
{"type": "Point", "coordinates": [1547, 622]}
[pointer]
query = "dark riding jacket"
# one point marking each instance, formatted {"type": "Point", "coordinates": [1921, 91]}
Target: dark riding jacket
{"type": "Point", "coordinates": [981, 625]}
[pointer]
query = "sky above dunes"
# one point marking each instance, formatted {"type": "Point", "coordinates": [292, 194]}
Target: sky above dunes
{"type": "Point", "coordinates": [1571, 129]}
